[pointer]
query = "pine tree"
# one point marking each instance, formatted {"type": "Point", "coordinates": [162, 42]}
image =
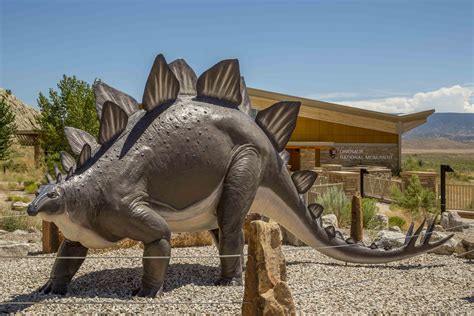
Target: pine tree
{"type": "Point", "coordinates": [7, 128]}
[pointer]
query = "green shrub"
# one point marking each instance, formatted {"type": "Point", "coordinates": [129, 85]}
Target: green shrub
{"type": "Point", "coordinates": [31, 188]}
{"type": "Point", "coordinates": [336, 202]}
{"type": "Point", "coordinates": [396, 221]}
{"type": "Point", "coordinates": [18, 198]}
{"type": "Point", "coordinates": [415, 198]}
{"type": "Point", "coordinates": [412, 164]}
{"type": "Point", "coordinates": [369, 209]}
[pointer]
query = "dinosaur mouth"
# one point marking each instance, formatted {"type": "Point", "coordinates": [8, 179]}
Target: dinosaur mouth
{"type": "Point", "coordinates": [32, 209]}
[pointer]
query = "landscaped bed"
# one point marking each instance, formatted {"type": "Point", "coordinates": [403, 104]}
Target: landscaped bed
{"type": "Point", "coordinates": [424, 284]}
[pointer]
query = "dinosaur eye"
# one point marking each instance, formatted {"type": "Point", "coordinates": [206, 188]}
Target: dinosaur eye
{"type": "Point", "coordinates": [52, 194]}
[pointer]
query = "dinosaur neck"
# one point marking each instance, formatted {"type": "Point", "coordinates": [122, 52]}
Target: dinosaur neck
{"type": "Point", "coordinates": [83, 197]}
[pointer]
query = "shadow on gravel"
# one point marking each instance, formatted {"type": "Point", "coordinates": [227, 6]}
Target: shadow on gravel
{"type": "Point", "coordinates": [368, 266]}
{"type": "Point", "coordinates": [118, 284]}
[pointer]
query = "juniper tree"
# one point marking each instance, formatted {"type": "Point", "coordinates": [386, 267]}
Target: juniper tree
{"type": "Point", "coordinates": [7, 128]}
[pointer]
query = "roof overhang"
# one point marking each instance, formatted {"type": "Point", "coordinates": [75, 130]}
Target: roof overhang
{"type": "Point", "coordinates": [310, 144]}
{"type": "Point", "coordinates": [342, 114]}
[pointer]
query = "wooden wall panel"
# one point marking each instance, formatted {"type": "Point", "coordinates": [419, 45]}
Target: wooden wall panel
{"type": "Point", "coordinates": [316, 130]}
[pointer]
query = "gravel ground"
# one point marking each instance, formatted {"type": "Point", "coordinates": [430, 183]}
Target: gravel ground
{"type": "Point", "coordinates": [425, 284]}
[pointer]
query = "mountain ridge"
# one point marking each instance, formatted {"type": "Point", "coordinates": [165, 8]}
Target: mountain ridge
{"type": "Point", "coordinates": [453, 126]}
{"type": "Point", "coordinates": [25, 116]}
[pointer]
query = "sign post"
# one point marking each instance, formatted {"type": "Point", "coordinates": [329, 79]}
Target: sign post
{"type": "Point", "coordinates": [361, 176]}
{"type": "Point", "coordinates": [443, 170]}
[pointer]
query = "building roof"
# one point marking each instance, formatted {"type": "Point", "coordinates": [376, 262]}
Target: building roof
{"type": "Point", "coordinates": [342, 114]}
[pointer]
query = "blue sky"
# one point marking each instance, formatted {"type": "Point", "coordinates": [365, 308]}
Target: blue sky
{"type": "Point", "coordinates": [392, 56]}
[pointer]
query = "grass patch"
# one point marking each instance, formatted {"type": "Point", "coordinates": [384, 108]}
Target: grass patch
{"type": "Point", "coordinates": [18, 198]}
{"type": "Point", "coordinates": [10, 221]}
{"type": "Point", "coordinates": [31, 188]}
{"type": "Point", "coordinates": [396, 221]}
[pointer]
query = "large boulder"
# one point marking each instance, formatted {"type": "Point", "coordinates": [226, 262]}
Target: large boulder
{"type": "Point", "coordinates": [388, 239]}
{"type": "Point", "coordinates": [465, 249]}
{"type": "Point", "coordinates": [329, 220]}
{"type": "Point", "coordinates": [379, 221]}
{"type": "Point", "coordinates": [451, 221]}
{"type": "Point", "coordinates": [13, 248]}
{"type": "Point", "coordinates": [448, 248]}
{"type": "Point", "coordinates": [266, 290]}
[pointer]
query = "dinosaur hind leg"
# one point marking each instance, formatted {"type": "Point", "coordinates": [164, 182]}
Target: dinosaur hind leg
{"type": "Point", "coordinates": [238, 193]}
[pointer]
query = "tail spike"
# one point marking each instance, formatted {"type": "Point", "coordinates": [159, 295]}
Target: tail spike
{"type": "Point", "coordinates": [409, 233]}
{"type": "Point", "coordinates": [339, 235]}
{"type": "Point", "coordinates": [373, 246]}
{"type": "Point", "coordinates": [429, 231]}
{"type": "Point", "coordinates": [414, 238]}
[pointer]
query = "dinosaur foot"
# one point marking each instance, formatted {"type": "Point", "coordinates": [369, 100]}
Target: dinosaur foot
{"type": "Point", "coordinates": [53, 287]}
{"type": "Point", "coordinates": [146, 291]}
{"type": "Point", "coordinates": [234, 281]}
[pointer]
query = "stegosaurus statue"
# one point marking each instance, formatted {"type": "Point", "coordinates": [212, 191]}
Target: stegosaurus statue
{"type": "Point", "coordinates": [189, 158]}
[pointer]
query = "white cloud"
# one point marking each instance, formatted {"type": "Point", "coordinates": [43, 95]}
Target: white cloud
{"type": "Point", "coordinates": [447, 99]}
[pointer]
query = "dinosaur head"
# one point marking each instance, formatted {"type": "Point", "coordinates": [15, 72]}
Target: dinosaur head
{"type": "Point", "coordinates": [49, 200]}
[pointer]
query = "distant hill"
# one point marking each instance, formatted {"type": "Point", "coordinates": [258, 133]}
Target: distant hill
{"type": "Point", "coordinates": [436, 145]}
{"type": "Point", "coordinates": [24, 114]}
{"type": "Point", "coordinates": [453, 126]}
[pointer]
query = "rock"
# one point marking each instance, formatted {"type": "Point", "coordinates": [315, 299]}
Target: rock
{"type": "Point", "coordinates": [329, 220]}
{"type": "Point", "coordinates": [32, 229]}
{"type": "Point", "coordinates": [380, 221]}
{"type": "Point", "coordinates": [11, 248]}
{"type": "Point", "coordinates": [266, 290]}
{"type": "Point", "coordinates": [248, 219]}
{"type": "Point", "coordinates": [439, 228]}
{"type": "Point", "coordinates": [395, 229]}
{"type": "Point", "coordinates": [387, 239]}
{"type": "Point", "coordinates": [191, 239]}
{"type": "Point", "coordinates": [3, 232]}
{"type": "Point", "coordinates": [465, 246]}
{"type": "Point", "coordinates": [451, 221]}
{"type": "Point", "coordinates": [446, 249]}
{"type": "Point", "coordinates": [19, 206]}
{"type": "Point", "coordinates": [20, 232]}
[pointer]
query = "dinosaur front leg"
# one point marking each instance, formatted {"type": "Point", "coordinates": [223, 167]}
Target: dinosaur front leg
{"type": "Point", "coordinates": [146, 225]}
{"type": "Point", "coordinates": [238, 193]}
{"type": "Point", "coordinates": [64, 269]}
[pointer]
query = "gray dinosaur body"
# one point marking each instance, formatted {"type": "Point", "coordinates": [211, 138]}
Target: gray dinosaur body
{"type": "Point", "coordinates": [191, 160]}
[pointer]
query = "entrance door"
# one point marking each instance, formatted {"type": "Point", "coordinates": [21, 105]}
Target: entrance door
{"type": "Point", "coordinates": [295, 159]}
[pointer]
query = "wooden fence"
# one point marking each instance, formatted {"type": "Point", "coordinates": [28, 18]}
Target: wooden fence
{"type": "Point", "coordinates": [316, 190]}
{"type": "Point", "coordinates": [459, 196]}
{"type": "Point", "coordinates": [380, 187]}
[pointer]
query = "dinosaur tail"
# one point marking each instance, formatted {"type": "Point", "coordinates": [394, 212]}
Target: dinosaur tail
{"type": "Point", "coordinates": [283, 204]}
